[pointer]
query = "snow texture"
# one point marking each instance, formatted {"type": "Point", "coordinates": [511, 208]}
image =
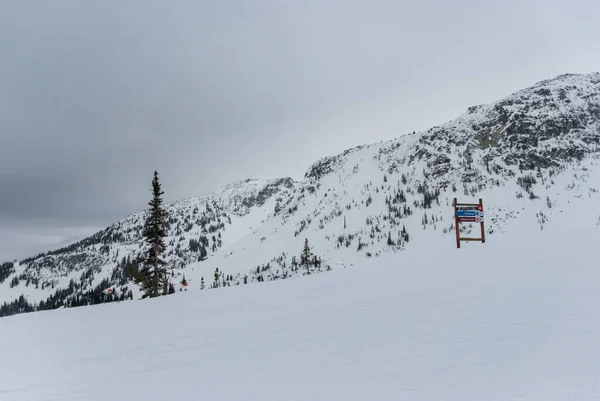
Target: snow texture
{"type": "Point", "coordinates": [515, 318]}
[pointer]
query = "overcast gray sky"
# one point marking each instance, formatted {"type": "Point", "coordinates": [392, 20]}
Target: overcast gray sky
{"type": "Point", "coordinates": [95, 95]}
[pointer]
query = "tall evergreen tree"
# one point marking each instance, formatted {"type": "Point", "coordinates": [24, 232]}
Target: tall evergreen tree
{"type": "Point", "coordinates": [305, 258]}
{"type": "Point", "coordinates": [153, 275]}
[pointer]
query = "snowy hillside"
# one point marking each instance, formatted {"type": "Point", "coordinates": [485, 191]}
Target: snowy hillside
{"type": "Point", "coordinates": [513, 319]}
{"type": "Point", "coordinates": [196, 228]}
{"type": "Point", "coordinates": [529, 156]}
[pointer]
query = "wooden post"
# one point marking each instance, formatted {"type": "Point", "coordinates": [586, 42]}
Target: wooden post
{"type": "Point", "coordinates": [456, 225]}
{"type": "Point", "coordinates": [482, 226]}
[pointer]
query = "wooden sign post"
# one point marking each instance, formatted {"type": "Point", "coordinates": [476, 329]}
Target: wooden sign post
{"type": "Point", "coordinates": [468, 213]}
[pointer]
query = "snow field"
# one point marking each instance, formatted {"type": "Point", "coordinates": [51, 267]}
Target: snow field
{"type": "Point", "coordinates": [515, 318]}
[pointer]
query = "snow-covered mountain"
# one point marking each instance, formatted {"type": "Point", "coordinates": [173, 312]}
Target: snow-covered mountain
{"type": "Point", "coordinates": [528, 156]}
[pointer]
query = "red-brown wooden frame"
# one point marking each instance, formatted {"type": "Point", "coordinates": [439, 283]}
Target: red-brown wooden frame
{"type": "Point", "coordinates": [457, 221]}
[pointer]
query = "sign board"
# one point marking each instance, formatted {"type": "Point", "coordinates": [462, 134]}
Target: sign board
{"type": "Point", "coordinates": [474, 219]}
{"type": "Point", "coordinates": [468, 213]}
{"type": "Point", "coordinates": [469, 216]}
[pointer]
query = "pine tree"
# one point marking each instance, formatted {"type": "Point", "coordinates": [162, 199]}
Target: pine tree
{"type": "Point", "coordinates": [153, 276]}
{"type": "Point", "coordinates": [305, 258]}
{"type": "Point", "coordinates": [216, 283]}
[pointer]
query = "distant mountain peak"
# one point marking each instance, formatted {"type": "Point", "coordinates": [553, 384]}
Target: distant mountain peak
{"type": "Point", "coordinates": [565, 78]}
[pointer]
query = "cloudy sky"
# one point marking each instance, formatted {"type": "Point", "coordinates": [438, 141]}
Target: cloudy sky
{"type": "Point", "coordinates": [95, 95]}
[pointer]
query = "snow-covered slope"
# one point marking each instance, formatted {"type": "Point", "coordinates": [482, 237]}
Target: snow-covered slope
{"type": "Point", "coordinates": [528, 156]}
{"type": "Point", "coordinates": [513, 319]}
{"type": "Point", "coordinates": [196, 228]}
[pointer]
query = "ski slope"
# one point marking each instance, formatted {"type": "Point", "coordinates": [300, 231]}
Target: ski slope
{"type": "Point", "coordinates": [517, 318]}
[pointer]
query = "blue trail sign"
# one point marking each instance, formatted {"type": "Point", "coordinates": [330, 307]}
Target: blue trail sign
{"type": "Point", "coordinates": [468, 213]}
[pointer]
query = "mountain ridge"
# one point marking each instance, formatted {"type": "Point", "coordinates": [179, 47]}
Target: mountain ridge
{"type": "Point", "coordinates": [217, 194]}
{"type": "Point", "coordinates": [349, 204]}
